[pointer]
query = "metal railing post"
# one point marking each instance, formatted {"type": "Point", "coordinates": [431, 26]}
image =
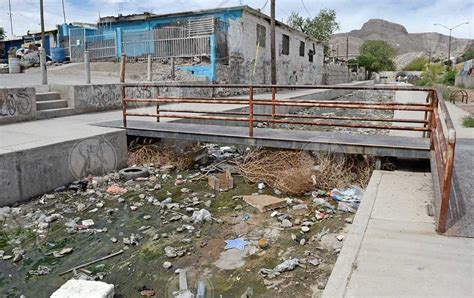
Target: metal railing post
{"type": "Point", "coordinates": [447, 182]}
{"type": "Point", "coordinates": [250, 111]}
{"type": "Point", "coordinates": [433, 113]}
{"type": "Point", "coordinates": [273, 106]}
{"type": "Point", "coordinates": [122, 89]}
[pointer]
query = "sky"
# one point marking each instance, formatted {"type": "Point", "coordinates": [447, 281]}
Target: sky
{"type": "Point", "coordinates": [415, 15]}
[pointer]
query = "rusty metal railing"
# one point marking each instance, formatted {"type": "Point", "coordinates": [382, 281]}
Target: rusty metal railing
{"type": "Point", "coordinates": [444, 149]}
{"type": "Point", "coordinates": [433, 117]}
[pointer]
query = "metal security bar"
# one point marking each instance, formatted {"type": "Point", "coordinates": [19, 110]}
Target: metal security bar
{"type": "Point", "coordinates": [102, 46]}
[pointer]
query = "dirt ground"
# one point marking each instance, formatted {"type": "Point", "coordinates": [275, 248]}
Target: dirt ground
{"type": "Point", "coordinates": [53, 233]}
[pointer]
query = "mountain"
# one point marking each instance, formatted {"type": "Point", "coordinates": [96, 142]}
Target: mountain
{"type": "Point", "coordinates": [408, 45]}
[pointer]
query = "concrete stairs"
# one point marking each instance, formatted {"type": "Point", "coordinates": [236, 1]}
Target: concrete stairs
{"type": "Point", "coordinates": [50, 105]}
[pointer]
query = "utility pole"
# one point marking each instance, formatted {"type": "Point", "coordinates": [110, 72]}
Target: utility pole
{"type": "Point", "coordinates": [11, 18]}
{"type": "Point", "coordinates": [449, 41]}
{"type": "Point", "coordinates": [273, 44]}
{"type": "Point", "coordinates": [42, 23]}
{"type": "Point", "coordinates": [347, 57]}
{"type": "Point", "coordinates": [44, 74]}
{"type": "Point", "coordinates": [64, 12]}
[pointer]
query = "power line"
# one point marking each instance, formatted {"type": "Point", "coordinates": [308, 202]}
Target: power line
{"type": "Point", "coordinates": [304, 5]}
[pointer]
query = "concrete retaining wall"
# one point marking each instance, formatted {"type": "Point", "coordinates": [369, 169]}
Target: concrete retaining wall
{"type": "Point", "coordinates": [17, 104]}
{"type": "Point", "coordinates": [25, 174]}
{"type": "Point", "coordinates": [464, 81]}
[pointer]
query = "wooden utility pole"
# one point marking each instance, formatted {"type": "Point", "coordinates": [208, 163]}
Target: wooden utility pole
{"type": "Point", "coordinates": [273, 44]}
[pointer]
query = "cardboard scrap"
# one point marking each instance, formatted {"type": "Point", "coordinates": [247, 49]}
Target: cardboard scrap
{"type": "Point", "coordinates": [221, 182]}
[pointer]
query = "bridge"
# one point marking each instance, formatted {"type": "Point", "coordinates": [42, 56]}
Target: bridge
{"type": "Point", "coordinates": [416, 129]}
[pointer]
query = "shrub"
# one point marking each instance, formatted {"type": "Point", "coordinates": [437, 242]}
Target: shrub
{"type": "Point", "coordinates": [417, 64]}
{"type": "Point", "coordinates": [468, 121]}
{"type": "Point", "coordinates": [449, 77]}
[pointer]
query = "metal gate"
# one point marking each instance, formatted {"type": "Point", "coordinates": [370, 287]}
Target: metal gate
{"type": "Point", "coordinates": [101, 45]}
{"type": "Point", "coordinates": [77, 38]}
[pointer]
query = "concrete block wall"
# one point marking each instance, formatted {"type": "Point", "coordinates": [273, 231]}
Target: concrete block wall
{"type": "Point", "coordinates": [464, 81]}
{"type": "Point", "coordinates": [17, 104]}
{"type": "Point", "coordinates": [335, 74]}
{"type": "Point", "coordinates": [251, 64]}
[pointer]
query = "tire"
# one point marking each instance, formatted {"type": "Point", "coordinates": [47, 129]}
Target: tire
{"type": "Point", "coordinates": [133, 173]}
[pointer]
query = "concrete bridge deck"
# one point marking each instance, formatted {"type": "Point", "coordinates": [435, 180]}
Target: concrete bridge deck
{"type": "Point", "coordinates": [377, 145]}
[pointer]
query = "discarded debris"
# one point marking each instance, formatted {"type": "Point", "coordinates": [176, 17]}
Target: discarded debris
{"type": "Point", "coordinates": [92, 262]}
{"type": "Point", "coordinates": [287, 265]}
{"type": "Point", "coordinates": [116, 190]}
{"type": "Point", "coordinates": [201, 216]}
{"type": "Point", "coordinates": [221, 182]}
{"type": "Point", "coordinates": [238, 243]}
{"type": "Point", "coordinates": [264, 202]}
{"type": "Point", "coordinates": [351, 196]}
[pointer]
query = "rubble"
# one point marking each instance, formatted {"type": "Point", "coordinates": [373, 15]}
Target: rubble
{"type": "Point", "coordinates": [155, 220]}
{"type": "Point", "coordinates": [287, 265]}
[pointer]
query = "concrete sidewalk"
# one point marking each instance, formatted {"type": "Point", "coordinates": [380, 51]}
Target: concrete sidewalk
{"type": "Point", "coordinates": [392, 248]}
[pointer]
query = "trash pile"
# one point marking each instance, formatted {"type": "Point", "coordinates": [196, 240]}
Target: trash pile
{"type": "Point", "coordinates": [141, 227]}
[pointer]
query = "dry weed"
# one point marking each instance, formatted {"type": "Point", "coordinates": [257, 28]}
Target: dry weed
{"type": "Point", "coordinates": [339, 170]}
{"type": "Point", "coordinates": [286, 170]}
{"type": "Point", "coordinates": [159, 155]}
{"type": "Point", "coordinates": [295, 172]}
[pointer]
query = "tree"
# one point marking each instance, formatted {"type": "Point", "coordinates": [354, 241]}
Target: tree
{"type": "Point", "coordinates": [417, 64]}
{"type": "Point", "coordinates": [321, 27]}
{"type": "Point", "coordinates": [468, 54]}
{"type": "Point", "coordinates": [2, 33]}
{"type": "Point", "coordinates": [376, 55]}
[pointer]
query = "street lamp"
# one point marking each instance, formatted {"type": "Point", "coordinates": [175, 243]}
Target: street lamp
{"type": "Point", "coordinates": [449, 42]}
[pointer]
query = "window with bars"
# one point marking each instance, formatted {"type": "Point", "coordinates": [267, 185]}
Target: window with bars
{"type": "Point", "coordinates": [302, 44]}
{"type": "Point", "coordinates": [285, 45]}
{"type": "Point", "coordinates": [261, 35]}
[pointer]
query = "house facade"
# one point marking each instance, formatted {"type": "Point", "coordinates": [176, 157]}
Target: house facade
{"type": "Point", "coordinates": [225, 45]}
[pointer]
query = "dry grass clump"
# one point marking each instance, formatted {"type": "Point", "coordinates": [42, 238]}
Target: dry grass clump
{"type": "Point", "coordinates": [296, 172]}
{"type": "Point", "coordinates": [335, 170]}
{"type": "Point", "coordinates": [159, 155]}
{"type": "Point", "coordinates": [286, 170]}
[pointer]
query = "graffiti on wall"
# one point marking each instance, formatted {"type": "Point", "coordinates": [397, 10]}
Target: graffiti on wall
{"type": "Point", "coordinates": [92, 156]}
{"type": "Point", "coordinates": [15, 102]}
{"type": "Point", "coordinates": [99, 97]}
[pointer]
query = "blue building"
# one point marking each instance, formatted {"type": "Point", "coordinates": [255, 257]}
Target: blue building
{"type": "Point", "coordinates": [230, 45]}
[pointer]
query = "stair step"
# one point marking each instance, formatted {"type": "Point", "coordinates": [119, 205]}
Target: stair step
{"type": "Point", "coordinates": [51, 104]}
{"type": "Point", "coordinates": [62, 112]}
{"type": "Point", "coordinates": [45, 96]}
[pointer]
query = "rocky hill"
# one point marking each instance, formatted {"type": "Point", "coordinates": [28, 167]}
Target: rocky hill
{"type": "Point", "coordinates": [408, 45]}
